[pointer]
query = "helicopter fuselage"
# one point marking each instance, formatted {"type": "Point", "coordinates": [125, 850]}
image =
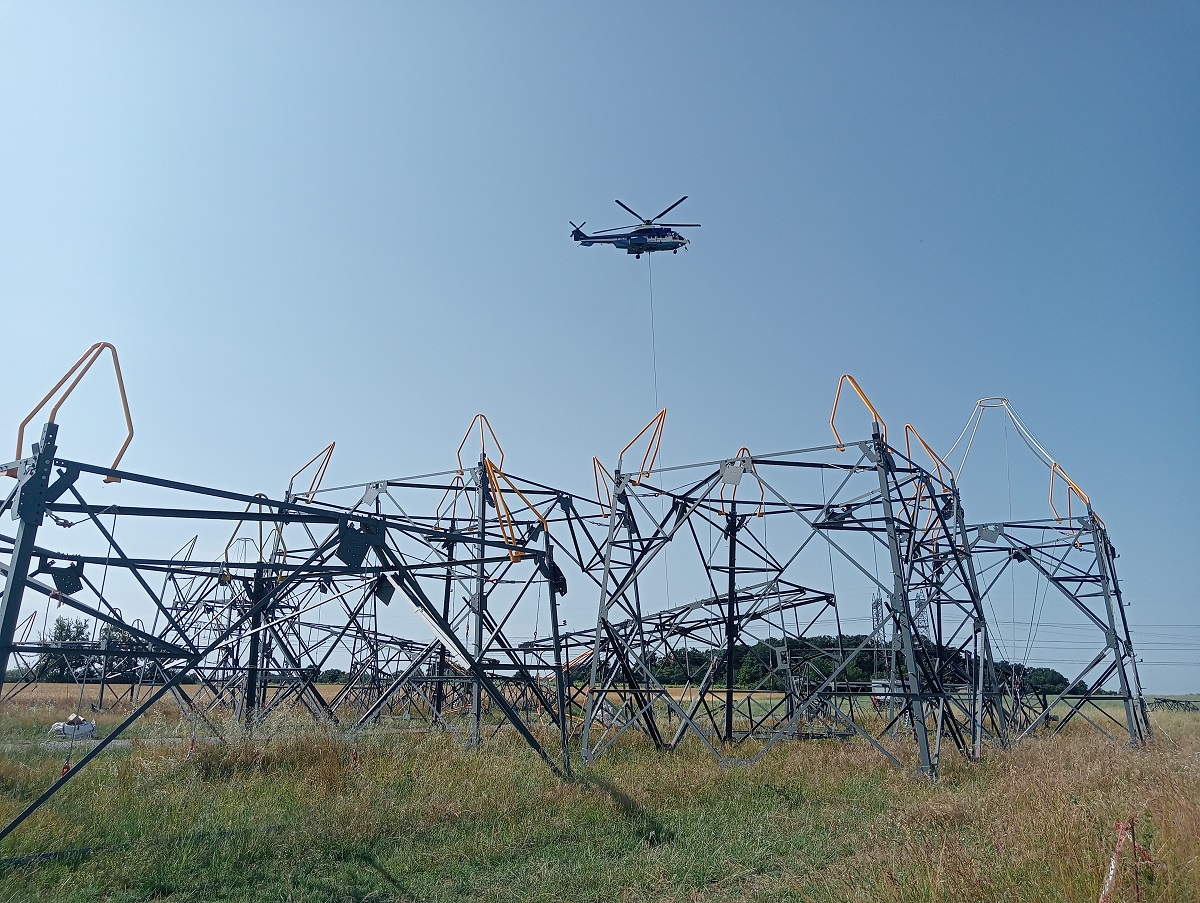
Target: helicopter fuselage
{"type": "Point", "coordinates": [645, 237]}
{"type": "Point", "coordinates": [638, 241]}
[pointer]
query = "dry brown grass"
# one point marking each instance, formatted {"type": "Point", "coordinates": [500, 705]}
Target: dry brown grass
{"type": "Point", "coordinates": [28, 715]}
{"type": "Point", "coordinates": [289, 815]}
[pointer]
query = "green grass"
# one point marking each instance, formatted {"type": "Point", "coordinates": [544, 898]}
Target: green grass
{"type": "Point", "coordinates": [421, 818]}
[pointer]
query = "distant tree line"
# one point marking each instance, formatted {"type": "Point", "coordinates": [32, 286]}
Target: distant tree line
{"type": "Point", "coordinates": [759, 665]}
{"type": "Point", "coordinates": [816, 658]}
{"type": "Point", "coordinates": [77, 657]}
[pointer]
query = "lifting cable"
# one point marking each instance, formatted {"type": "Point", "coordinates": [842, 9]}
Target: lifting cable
{"type": "Point", "coordinates": [112, 534]}
{"type": "Point", "coordinates": [1039, 606]}
{"type": "Point", "coordinates": [832, 578]}
{"type": "Point", "coordinates": [82, 688]}
{"type": "Point", "coordinates": [653, 338]}
{"type": "Point", "coordinates": [1012, 577]}
{"type": "Point", "coordinates": [654, 370]}
{"type": "Point", "coordinates": [537, 618]}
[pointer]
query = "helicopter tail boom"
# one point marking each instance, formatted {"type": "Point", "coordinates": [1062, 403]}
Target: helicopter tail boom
{"type": "Point", "coordinates": [577, 233]}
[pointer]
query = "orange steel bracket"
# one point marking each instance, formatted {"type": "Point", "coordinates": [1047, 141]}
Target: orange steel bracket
{"type": "Point", "coordinates": [648, 459]}
{"type": "Point", "coordinates": [483, 422]}
{"type": "Point", "coordinates": [841, 446]}
{"type": "Point", "coordinates": [603, 480]}
{"type": "Point", "coordinates": [323, 456]}
{"type": "Point", "coordinates": [1071, 488]}
{"type": "Point", "coordinates": [503, 514]}
{"type": "Point", "coordinates": [743, 453]}
{"type": "Point", "coordinates": [910, 432]}
{"type": "Point", "coordinates": [78, 369]}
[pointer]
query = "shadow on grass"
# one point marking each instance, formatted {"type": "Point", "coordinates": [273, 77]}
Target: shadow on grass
{"type": "Point", "coordinates": [367, 858]}
{"type": "Point", "coordinates": [646, 827]}
{"type": "Point", "coordinates": [201, 838]}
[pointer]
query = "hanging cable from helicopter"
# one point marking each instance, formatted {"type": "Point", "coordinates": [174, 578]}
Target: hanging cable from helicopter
{"type": "Point", "coordinates": [653, 339]}
{"type": "Point", "coordinates": [644, 237]}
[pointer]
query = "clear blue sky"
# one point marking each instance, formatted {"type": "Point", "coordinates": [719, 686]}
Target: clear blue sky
{"type": "Point", "coordinates": [303, 222]}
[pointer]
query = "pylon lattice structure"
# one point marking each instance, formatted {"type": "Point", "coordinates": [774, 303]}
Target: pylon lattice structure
{"type": "Point", "coordinates": [425, 588]}
{"type": "Point", "coordinates": [793, 687]}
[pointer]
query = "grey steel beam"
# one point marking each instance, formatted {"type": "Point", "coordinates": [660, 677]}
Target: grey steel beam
{"type": "Point", "coordinates": [900, 606]}
{"type": "Point", "coordinates": [33, 494]}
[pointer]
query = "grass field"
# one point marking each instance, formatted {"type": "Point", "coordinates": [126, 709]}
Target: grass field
{"type": "Point", "coordinates": [298, 814]}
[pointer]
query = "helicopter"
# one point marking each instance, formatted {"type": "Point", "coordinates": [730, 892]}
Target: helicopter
{"type": "Point", "coordinates": [647, 236]}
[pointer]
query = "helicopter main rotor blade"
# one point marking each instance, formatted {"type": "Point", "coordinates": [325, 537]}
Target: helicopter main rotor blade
{"type": "Point", "coordinates": [680, 225]}
{"type": "Point", "coordinates": [634, 212]}
{"type": "Point", "coordinates": [617, 229]}
{"type": "Point", "coordinates": [665, 212]}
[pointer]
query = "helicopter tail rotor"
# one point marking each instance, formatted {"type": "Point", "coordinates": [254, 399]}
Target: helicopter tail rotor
{"type": "Point", "coordinates": [577, 234]}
